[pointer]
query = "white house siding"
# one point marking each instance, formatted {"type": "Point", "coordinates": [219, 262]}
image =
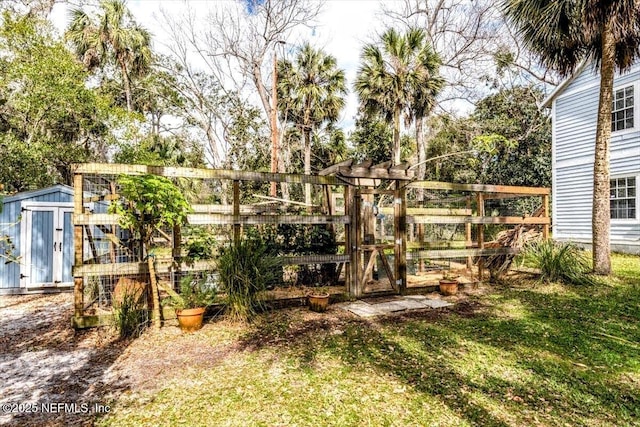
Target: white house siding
{"type": "Point", "coordinates": [574, 127]}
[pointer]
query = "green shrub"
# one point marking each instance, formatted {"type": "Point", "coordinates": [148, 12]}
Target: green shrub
{"type": "Point", "coordinates": [245, 269]}
{"type": "Point", "coordinates": [194, 293]}
{"type": "Point", "coordinates": [130, 319]}
{"type": "Point", "coordinates": [560, 261]}
{"type": "Point", "coordinates": [200, 243]}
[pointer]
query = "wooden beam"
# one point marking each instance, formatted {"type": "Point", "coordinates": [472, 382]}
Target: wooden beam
{"type": "Point", "coordinates": [107, 197]}
{"type": "Point", "coordinates": [78, 245]}
{"type": "Point", "coordinates": [402, 167]}
{"type": "Point", "coordinates": [195, 173]}
{"type": "Point", "coordinates": [334, 168]}
{"type": "Point", "coordinates": [313, 259]}
{"type": "Point", "coordinates": [480, 201]}
{"type": "Point", "coordinates": [366, 164]}
{"type": "Point", "coordinates": [84, 322]}
{"type": "Point", "coordinates": [236, 212]}
{"type": "Point", "coordinates": [92, 245]}
{"type": "Point", "coordinates": [437, 185]}
{"type": "Point", "coordinates": [400, 218]}
{"type": "Point", "coordinates": [459, 253]}
{"type": "Point", "coordinates": [357, 289]}
{"type": "Point", "coordinates": [545, 214]}
{"type": "Point", "coordinates": [285, 201]}
{"type": "Point", "coordinates": [350, 245]}
{"type": "Point", "coordinates": [376, 173]}
{"type": "Point", "coordinates": [163, 265]}
{"type": "Point", "coordinates": [95, 219]}
{"type": "Point", "coordinates": [430, 211]}
{"type": "Point", "coordinates": [437, 219]}
{"type": "Point", "coordinates": [467, 236]}
{"type": "Point", "coordinates": [377, 191]}
{"type": "Point", "coordinates": [383, 165]}
{"type": "Point", "coordinates": [205, 219]}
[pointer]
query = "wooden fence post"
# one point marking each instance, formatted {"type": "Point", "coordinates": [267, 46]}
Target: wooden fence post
{"type": "Point", "coordinates": [78, 242]}
{"type": "Point", "coordinates": [545, 214]}
{"type": "Point", "coordinates": [236, 212]}
{"type": "Point", "coordinates": [480, 201]}
{"type": "Point", "coordinates": [400, 219]}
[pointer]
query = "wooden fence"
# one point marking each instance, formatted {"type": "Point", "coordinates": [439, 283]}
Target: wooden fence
{"type": "Point", "coordinates": [383, 219]}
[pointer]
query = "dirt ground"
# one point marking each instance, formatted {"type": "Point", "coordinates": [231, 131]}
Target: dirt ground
{"type": "Point", "coordinates": [51, 375]}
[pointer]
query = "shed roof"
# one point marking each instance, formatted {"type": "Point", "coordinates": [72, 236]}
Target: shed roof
{"type": "Point", "coordinates": [40, 192]}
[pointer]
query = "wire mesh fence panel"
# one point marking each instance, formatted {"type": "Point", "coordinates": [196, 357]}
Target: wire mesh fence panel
{"type": "Point", "coordinates": [303, 227]}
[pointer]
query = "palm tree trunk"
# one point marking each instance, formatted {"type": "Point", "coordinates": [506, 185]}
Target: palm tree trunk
{"type": "Point", "coordinates": [307, 165]}
{"type": "Point", "coordinates": [127, 84]}
{"type": "Point", "coordinates": [601, 217]}
{"type": "Point", "coordinates": [396, 136]}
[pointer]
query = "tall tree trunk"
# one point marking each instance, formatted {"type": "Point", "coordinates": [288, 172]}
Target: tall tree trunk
{"type": "Point", "coordinates": [307, 165]}
{"type": "Point", "coordinates": [396, 136]}
{"type": "Point", "coordinates": [601, 217]}
{"type": "Point", "coordinates": [127, 84]}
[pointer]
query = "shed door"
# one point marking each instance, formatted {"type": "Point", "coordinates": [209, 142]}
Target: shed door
{"type": "Point", "coordinates": [48, 250]}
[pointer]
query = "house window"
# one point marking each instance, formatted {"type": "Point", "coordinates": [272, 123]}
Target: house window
{"type": "Point", "coordinates": [623, 198]}
{"type": "Point", "coordinates": [622, 109]}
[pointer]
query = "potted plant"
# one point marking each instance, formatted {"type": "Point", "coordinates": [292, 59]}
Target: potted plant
{"type": "Point", "coordinates": [318, 299]}
{"type": "Point", "coordinates": [190, 304]}
{"type": "Point", "coordinates": [449, 283]}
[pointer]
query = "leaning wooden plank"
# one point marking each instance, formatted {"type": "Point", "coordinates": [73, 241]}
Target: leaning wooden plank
{"type": "Point", "coordinates": [458, 253]}
{"type": "Point", "coordinates": [285, 201]}
{"type": "Point", "coordinates": [436, 185]}
{"type": "Point", "coordinates": [204, 219]}
{"type": "Point", "coordinates": [166, 287]}
{"type": "Point", "coordinates": [436, 219]}
{"type": "Point", "coordinates": [171, 171]}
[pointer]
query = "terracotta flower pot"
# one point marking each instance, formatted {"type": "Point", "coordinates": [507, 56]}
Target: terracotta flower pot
{"type": "Point", "coordinates": [190, 319]}
{"type": "Point", "coordinates": [448, 287]}
{"type": "Point", "coordinates": [319, 302]}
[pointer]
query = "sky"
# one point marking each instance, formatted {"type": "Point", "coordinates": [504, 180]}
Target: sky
{"type": "Point", "coordinates": [342, 29]}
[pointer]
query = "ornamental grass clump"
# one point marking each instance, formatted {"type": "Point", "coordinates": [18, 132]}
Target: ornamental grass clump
{"type": "Point", "coordinates": [560, 262]}
{"type": "Point", "coordinates": [129, 318]}
{"type": "Point", "coordinates": [245, 269]}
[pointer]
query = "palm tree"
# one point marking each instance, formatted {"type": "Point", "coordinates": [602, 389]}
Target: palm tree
{"type": "Point", "coordinates": [312, 90]}
{"type": "Point", "coordinates": [111, 38]}
{"type": "Point", "coordinates": [566, 33]}
{"type": "Point", "coordinates": [399, 76]}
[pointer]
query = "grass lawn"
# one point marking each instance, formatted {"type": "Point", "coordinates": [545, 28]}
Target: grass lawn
{"type": "Point", "coordinates": [522, 354]}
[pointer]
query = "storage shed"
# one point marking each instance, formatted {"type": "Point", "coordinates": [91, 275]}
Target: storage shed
{"type": "Point", "coordinates": [39, 224]}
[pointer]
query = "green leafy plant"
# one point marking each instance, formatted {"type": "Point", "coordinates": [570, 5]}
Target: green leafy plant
{"type": "Point", "coordinates": [560, 261]}
{"type": "Point", "coordinates": [245, 269]}
{"type": "Point", "coordinates": [448, 275]}
{"type": "Point", "coordinates": [149, 202]}
{"type": "Point", "coordinates": [200, 243]}
{"type": "Point", "coordinates": [129, 318]}
{"type": "Point", "coordinates": [194, 293]}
